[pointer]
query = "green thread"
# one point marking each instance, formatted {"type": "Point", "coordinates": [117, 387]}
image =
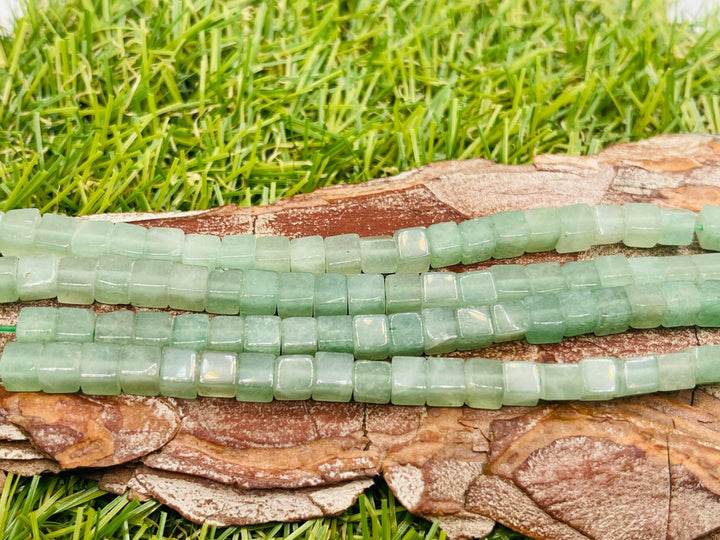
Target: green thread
{"type": "Point", "coordinates": [7, 328]}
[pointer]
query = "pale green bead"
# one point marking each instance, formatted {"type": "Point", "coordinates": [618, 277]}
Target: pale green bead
{"type": "Point", "coordinates": [334, 377]}
{"type": "Point", "coordinates": [614, 270]}
{"type": "Point", "coordinates": [307, 254]}
{"type": "Point", "coordinates": [179, 373]}
{"type": "Point", "coordinates": [379, 255]}
{"type": "Point", "coordinates": [217, 374]}
{"type": "Point", "coordinates": [164, 243]}
{"type": "Point", "coordinates": [544, 226]}
{"type": "Point", "coordinates": [8, 280]}
{"type": "Point", "coordinates": [149, 283]}
{"type": "Point", "coordinates": [58, 368]}
{"type": "Point", "coordinates": [373, 381]}
{"type": "Point", "coordinates": [647, 305]}
{"type": "Point", "coordinates": [259, 292]}
{"type": "Point", "coordinates": [510, 320]}
{"type": "Point", "coordinates": [577, 228]}
{"type": "Point", "coordinates": [237, 251]}
{"type": "Point", "coordinates": [614, 311]}
{"type": "Point", "coordinates": [413, 250]}
{"type": "Point", "coordinates": [476, 288]}
{"type": "Point", "coordinates": [511, 281]}
{"type": "Point", "coordinates": [647, 269]}
{"type": "Point", "coordinates": [112, 279]}
{"type": "Point", "coordinates": [477, 240]}
{"type": "Point", "coordinates": [545, 278]}
{"type": "Point", "coordinates": [445, 244]}
{"type": "Point", "coordinates": [371, 337]}
{"type": "Point", "coordinates": [609, 224]}
{"type": "Point", "coordinates": [201, 250]}
{"type": "Point", "coordinates": [440, 330]}
{"type": "Point", "coordinates": [54, 233]}
{"type": "Point", "coordinates": [17, 231]}
{"type": "Point", "coordinates": [680, 268]}
{"type": "Point", "coordinates": [224, 288]}
{"type": "Point", "coordinates": [115, 327]}
{"type": "Point", "coordinates": [547, 322]}
{"type": "Point", "coordinates": [139, 369]}
{"type": "Point", "coordinates": [676, 371]}
{"type": "Point", "coordinates": [512, 234]}
{"type": "Point", "coordinates": [294, 376]}
{"type": "Point", "coordinates": [299, 335]}
{"type": "Point", "coordinates": [639, 375]}
{"type": "Point", "coordinates": [708, 227]}
{"type": "Point", "coordinates": [76, 277]}
{"type": "Point", "coordinates": [127, 239]}
{"type": "Point", "coordinates": [599, 378]}
{"type": "Point", "coordinates": [403, 293]}
{"type": "Point", "coordinates": [560, 382]}
{"type": "Point", "coordinates": [91, 238]}
{"type": "Point", "coordinates": [262, 334]}
{"type": "Point", "coordinates": [522, 383]}
{"type": "Point", "coordinates": [225, 333]}
{"type": "Point", "coordinates": [406, 334]}
{"type": "Point", "coordinates": [683, 301]}
{"type": "Point", "coordinates": [272, 253]}
{"type": "Point", "coordinates": [445, 382]}
{"type": "Point", "coordinates": [474, 328]}
{"type": "Point", "coordinates": [706, 363]}
{"type": "Point", "coordinates": [190, 331]}
{"type": "Point", "coordinates": [99, 367]}
{"type": "Point", "coordinates": [580, 311]}
{"type": "Point", "coordinates": [677, 227]}
{"type": "Point", "coordinates": [256, 377]}
{"type": "Point", "coordinates": [409, 380]}
{"type": "Point", "coordinates": [153, 328]}
{"type": "Point", "coordinates": [36, 324]}
{"type": "Point", "coordinates": [296, 294]}
{"type": "Point", "coordinates": [75, 324]}
{"type": "Point", "coordinates": [709, 314]}
{"type": "Point", "coordinates": [335, 333]}
{"type": "Point", "coordinates": [642, 225]}
{"type": "Point", "coordinates": [18, 366]}
{"type": "Point", "coordinates": [37, 277]}
{"type": "Point", "coordinates": [187, 287]}
{"type": "Point", "coordinates": [484, 383]}
{"type": "Point", "coordinates": [366, 294]}
{"type": "Point", "coordinates": [708, 266]}
{"type": "Point", "coordinates": [342, 254]}
{"type": "Point", "coordinates": [581, 275]}
{"type": "Point", "coordinates": [330, 294]}
{"type": "Point", "coordinates": [439, 289]}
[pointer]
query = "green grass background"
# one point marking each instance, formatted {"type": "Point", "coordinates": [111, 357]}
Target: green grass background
{"type": "Point", "coordinates": [143, 105]}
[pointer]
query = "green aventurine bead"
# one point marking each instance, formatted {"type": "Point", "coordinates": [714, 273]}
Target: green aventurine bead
{"type": "Point", "coordinates": [187, 287]}
{"type": "Point", "coordinates": [112, 279]}
{"type": "Point", "coordinates": [545, 278]}
{"type": "Point", "coordinates": [115, 327]}
{"type": "Point", "coordinates": [639, 375]}
{"type": "Point", "coordinates": [37, 277]}
{"type": "Point", "coordinates": [153, 328]}
{"type": "Point", "coordinates": [259, 292]}
{"type": "Point", "coordinates": [335, 333]}
{"type": "Point", "coordinates": [225, 333]}
{"type": "Point", "coordinates": [17, 230]}
{"type": "Point", "coordinates": [511, 281]}
{"type": "Point", "coordinates": [677, 227]}
{"type": "Point", "coordinates": [342, 254]}
{"type": "Point", "coordinates": [439, 289]}
{"type": "Point", "coordinates": [139, 369]}
{"type": "Point", "coordinates": [149, 283]}
{"type": "Point", "coordinates": [680, 268]}
{"type": "Point", "coordinates": [296, 294]}
{"type": "Point", "coordinates": [599, 378]}
{"type": "Point", "coordinates": [709, 314]}
{"type": "Point", "coordinates": [445, 382]}
{"type": "Point", "coordinates": [54, 233]}
{"type": "Point", "coordinates": [560, 382]}
{"type": "Point", "coordinates": [614, 311]}
{"type": "Point", "coordinates": [307, 254]}
{"type": "Point", "coordinates": [164, 243]}
{"type": "Point", "coordinates": [99, 369]}
{"type": "Point", "coordinates": [333, 377]}
{"type": "Point", "coordinates": [379, 255]}
{"type": "Point", "coordinates": [609, 224]}
{"type": "Point", "coordinates": [409, 380]}
{"type": "Point", "coordinates": [706, 363]}
{"type": "Point", "coordinates": [36, 324]}
{"type": "Point", "coordinates": [512, 234]}
{"type": "Point", "coordinates": [366, 294]}
{"type": "Point", "coordinates": [91, 238]}
{"type": "Point", "coordinates": [445, 244]}
{"type": "Point", "coordinates": [224, 288]}
{"type": "Point", "coordinates": [201, 250]}
{"type": "Point", "coordinates": [579, 310]}
{"type": "Point", "coordinates": [676, 370]}
{"type": "Point", "coordinates": [510, 320]}
{"type": "Point", "coordinates": [179, 373]}
{"type": "Point", "coordinates": [75, 324]}
{"type": "Point", "coordinates": [544, 226]}
{"type": "Point", "coordinates": [413, 250]}
{"type": "Point", "coordinates": [547, 322]}
{"type": "Point", "coordinates": [190, 331]}
{"type": "Point", "coordinates": [272, 253]}
{"type": "Point", "coordinates": [58, 367]}
{"type": "Point", "coordinates": [683, 302]}
{"type": "Point", "coordinates": [476, 288]}
{"type": "Point", "coordinates": [262, 334]}
{"type": "Point", "coordinates": [614, 270]}
{"type": "Point", "coordinates": [642, 225]}
{"type": "Point", "coordinates": [294, 376]}
{"type": "Point", "coordinates": [484, 383]}
{"type": "Point", "coordinates": [330, 294]}
{"type": "Point", "coordinates": [127, 239]}
{"type": "Point", "coordinates": [217, 371]}
{"type": "Point", "coordinates": [647, 305]}
{"type": "Point", "coordinates": [477, 240]}
{"type": "Point", "coordinates": [708, 266]}
{"type": "Point", "coordinates": [373, 382]}
{"type": "Point", "coordinates": [18, 366]}
{"type": "Point", "coordinates": [474, 328]}
{"type": "Point", "coordinates": [708, 227]}
{"type": "Point", "coordinates": [577, 228]}
{"type": "Point", "coordinates": [647, 269]}
{"type": "Point", "coordinates": [403, 293]}
{"type": "Point", "coordinates": [522, 383]}
{"type": "Point", "coordinates": [371, 337]}
{"type": "Point", "coordinates": [299, 335]}
{"type": "Point", "coordinates": [75, 281]}
{"type": "Point", "coordinates": [256, 377]}
{"type": "Point", "coordinates": [440, 330]}
{"type": "Point", "coordinates": [237, 251]}
{"type": "Point", "coordinates": [8, 280]}
{"type": "Point", "coordinates": [406, 334]}
{"type": "Point", "coordinates": [581, 275]}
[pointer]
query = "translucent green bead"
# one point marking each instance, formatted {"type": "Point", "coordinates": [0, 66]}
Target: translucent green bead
{"type": "Point", "coordinates": [256, 377]}
{"type": "Point", "coordinates": [403, 293]}
{"type": "Point", "coordinates": [642, 225]}
{"type": "Point", "coordinates": [544, 226]}
{"type": "Point", "coordinates": [676, 371]}
{"type": "Point", "coordinates": [224, 288]}
{"type": "Point", "coordinates": [294, 376]}
{"type": "Point", "coordinates": [683, 301]}
{"type": "Point", "coordinates": [484, 383]}
{"type": "Point", "coordinates": [378, 255]}
{"type": "Point", "coordinates": [708, 266]}
{"type": "Point", "coordinates": [237, 251]}
{"type": "Point", "coordinates": [609, 224]}
{"type": "Point", "coordinates": [445, 244]}
{"type": "Point", "coordinates": [708, 227]}
{"type": "Point", "coordinates": [511, 281]}
{"type": "Point", "coordinates": [647, 305]}
{"type": "Point", "coordinates": [477, 240]}
{"type": "Point", "coordinates": [373, 382]}
{"type": "Point", "coordinates": [165, 243]}
{"type": "Point", "coordinates": [440, 330]}
{"type": "Point", "coordinates": [299, 335]}
{"type": "Point", "coordinates": [17, 231]}
{"type": "Point", "coordinates": [510, 320]}
{"type": "Point", "coordinates": [149, 283]}
{"type": "Point", "coordinates": [330, 294]}
{"type": "Point", "coordinates": [225, 333]}
{"type": "Point", "coordinates": [139, 369]}
{"type": "Point", "coordinates": [201, 250]}
{"type": "Point", "coordinates": [614, 270]}
{"type": "Point", "coordinates": [599, 377]}
{"type": "Point", "coordinates": [445, 382]}
{"type": "Point", "coordinates": [18, 366]}
{"type": "Point", "coordinates": [190, 331]}
{"type": "Point", "coordinates": [512, 234]}
{"type": "Point", "coordinates": [36, 324]}
{"type": "Point", "coordinates": [680, 268]}
{"type": "Point", "coordinates": [75, 324]}
{"type": "Point", "coordinates": [706, 363]}
{"type": "Point", "coordinates": [439, 289]}
{"type": "Point", "coordinates": [272, 253]}
{"type": "Point", "coordinates": [187, 287]}
{"type": "Point", "coordinates": [54, 233]}
{"type": "Point", "coordinates": [371, 337]}
{"type": "Point", "coordinates": [406, 334]}
{"type": "Point", "coordinates": [179, 373]}
{"type": "Point", "coordinates": [614, 311]}
{"type": "Point", "coordinates": [581, 275]}
{"type": "Point", "coordinates": [76, 277]}
{"type": "Point", "coordinates": [99, 367]}
{"type": "Point", "coordinates": [8, 280]}
{"type": "Point", "coordinates": [307, 254]}
{"type": "Point", "coordinates": [296, 294]}
{"type": "Point", "coordinates": [677, 227]}
{"type": "Point", "coordinates": [580, 311]}
{"type": "Point", "coordinates": [335, 333]}
{"type": "Point", "coordinates": [709, 314]}
{"type": "Point", "coordinates": [334, 377]}
{"type": "Point", "coordinates": [91, 238]}
{"type": "Point", "coordinates": [37, 277]}
{"type": "Point", "coordinates": [115, 327]}
{"type": "Point", "coordinates": [639, 375]}
{"type": "Point", "coordinates": [366, 294]}
{"type": "Point", "coordinates": [58, 368]}
{"type": "Point", "coordinates": [474, 328]}
{"type": "Point", "coordinates": [127, 239]}
{"type": "Point", "coordinates": [577, 228]}
{"type": "Point", "coordinates": [112, 279]}
{"type": "Point", "coordinates": [559, 382]}
{"type": "Point", "coordinates": [217, 374]}
{"type": "Point", "coordinates": [413, 250]}
{"type": "Point", "coordinates": [262, 334]}
{"type": "Point", "coordinates": [153, 328]}
{"type": "Point", "coordinates": [409, 380]}
{"type": "Point", "coordinates": [545, 278]}
{"type": "Point", "coordinates": [476, 288]}
{"type": "Point", "coordinates": [342, 254]}
{"type": "Point", "coordinates": [647, 269]}
{"type": "Point", "coordinates": [547, 322]}
{"type": "Point", "coordinates": [522, 383]}
{"type": "Point", "coordinates": [259, 292]}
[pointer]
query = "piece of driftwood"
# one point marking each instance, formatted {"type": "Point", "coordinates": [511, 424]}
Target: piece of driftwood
{"type": "Point", "coordinates": [646, 467]}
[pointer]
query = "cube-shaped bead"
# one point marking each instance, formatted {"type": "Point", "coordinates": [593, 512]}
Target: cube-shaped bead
{"type": "Point", "coordinates": [187, 287]}
{"type": "Point", "coordinates": [445, 244]}
{"type": "Point", "coordinates": [37, 277]}
{"type": "Point", "coordinates": [440, 330]}
{"type": "Point", "coordinates": [112, 279]}
{"type": "Point", "coordinates": [677, 227]}
{"type": "Point", "coordinates": [639, 375]}
{"type": "Point", "coordinates": [522, 383]}
{"type": "Point", "coordinates": [439, 289]}
{"type": "Point", "coordinates": [91, 238]}
{"type": "Point", "coordinates": [707, 227]}
{"type": "Point", "coordinates": [683, 301]}
{"type": "Point", "coordinates": [75, 324]}
{"type": "Point", "coordinates": [342, 254]}
{"type": "Point", "coordinates": [299, 335]}
{"type": "Point", "coordinates": [647, 269]}
{"type": "Point", "coordinates": [76, 279]}
{"type": "Point", "coordinates": [201, 250]}
{"type": "Point", "coordinates": [262, 334]}
{"type": "Point", "coordinates": [255, 377]}
{"type": "Point", "coordinates": [642, 225]}
{"type": "Point", "coordinates": [544, 226]}
{"type": "Point", "coordinates": [484, 383]}
{"type": "Point", "coordinates": [709, 314]}
{"type": "Point", "coordinates": [165, 243]}
{"type": "Point", "coordinates": [476, 288]}
{"type": "Point", "coordinates": [409, 380]}
{"type": "Point", "coordinates": [179, 373]}
{"type": "Point", "coordinates": [560, 382]}
{"type": "Point", "coordinates": [127, 239]}
{"type": "Point", "coordinates": [190, 331]}
{"type": "Point", "coordinates": [680, 268]}
{"type": "Point", "coordinates": [153, 328]}
{"type": "Point", "coordinates": [474, 328]}
{"type": "Point", "coordinates": [413, 250]}
{"type": "Point", "coordinates": [139, 369]}
{"type": "Point", "coordinates": [296, 294]}
{"type": "Point", "coordinates": [547, 322]}
{"type": "Point", "coordinates": [335, 333]}
{"type": "Point", "coordinates": [581, 275]}
{"type": "Point", "coordinates": [676, 371]}
{"type": "Point", "coordinates": [54, 233]}
{"type": "Point", "coordinates": [224, 288]}
{"type": "Point", "coordinates": [217, 374]}
{"type": "Point", "coordinates": [708, 266]}
{"type": "Point", "coordinates": [406, 334]}
{"type": "Point", "coordinates": [373, 381]}
{"type": "Point", "coordinates": [18, 366]}
{"type": "Point", "coordinates": [259, 292]}
{"type": "Point", "coordinates": [609, 224]}
{"type": "Point", "coordinates": [477, 240]}
{"type": "Point", "coordinates": [237, 251]}
{"type": "Point", "coordinates": [294, 376]}
{"type": "Point", "coordinates": [545, 278]}
{"type": "Point", "coordinates": [99, 367]}
{"type": "Point", "coordinates": [225, 333]}
{"type": "Point", "coordinates": [8, 280]}
{"type": "Point", "coordinates": [37, 324]}
{"type": "Point", "coordinates": [403, 293]}
{"type": "Point", "coordinates": [58, 368]}
{"type": "Point", "coordinates": [579, 310]}
{"type": "Point", "coordinates": [17, 231]}
{"type": "Point", "coordinates": [647, 305]}
{"type": "Point", "coordinates": [330, 294]}
{"type": "Point", "coordinates": [334, 377]}
{"type": "Point", "coordinates": [307, 254]}
{"type": "Point", "coordinates": [366, 294]}
{"type": "Point", "coordinates": [599, 378]}
{"type": "Point", "coordinates": [577, 228]}
{"type": "Point", "coordinates": [445, 382]}
{"type": "Point", "coordinates": [511, 281]}
{"type": "Point", "coordinates": [614, 311]}
{"type": "Point", "coordinates": [371, 337]}
{"type": "Point", "coordinates": [272, 253]}
{"type": "Point", "coordinates": [512, 234]}
{"type": "Point", "coordinates": [378, 255]}
{"type": "Point", "coordinates": [510, 320]}
{"type": "Point", "coordinates": [115, 327]}
{"type": "Point", "coordinates": [149, 283]}
{"type": "Point", "coordinates": [706, 363]}
{"type": "Point", "coordinates": [614, 270]}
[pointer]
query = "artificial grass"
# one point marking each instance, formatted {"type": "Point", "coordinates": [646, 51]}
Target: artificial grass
{"type": "Point", "coordinates": [119, 105]}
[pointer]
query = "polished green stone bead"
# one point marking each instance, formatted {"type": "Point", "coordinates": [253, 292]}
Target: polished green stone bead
{"type": "Point", "coordinates": [683, 301]}
{"type": "Point", "coordinates": [647, 269]}
{"type": "Point", "coordinates": [440, 330]}
{"type": "Point", "coordinates": [330, 294]}
{"type": "Point", "coordinates": [201, 250]}
{"type": "Point", "coordinates": [8, 280]}
{"type": "Point", "coordinates": [580, 311]}
{"type": "Point", "coordinates": [115, 327]}
{"type": "Point", "coordinates": [445, 382]}
{"type": "Point", "coordinates": [512, 234]}
{"type": "Point", "coordinates": [54, 233]}
{"type": "Point", "coordinates": [99, 366]}
{"type": "Point", "coordinates": [335, 333]}
{"type": "Point", "coordinates": [149, 283]}
{"type": "Point", "coordinates": [75, 324]}
{"type": "Point", "coordinates": [709, 314]}
{"type": "Point", "coordinates": [371, 337]}
{"type": "Point", "coordinates": [373, 381]}
{"type": "Point", "coordinates": [37, 277]}
{"type": "Point", "coordinates": [260, 290]}
{"type": "Point", "coordinates": [647, 305]}
{"type": "Point", "coordinates": [406, 334]}
{"type": "Point", "coordinates": [334, 377]}
{"type": "Point", "coordinates": [127, 239]}
{"type": "Point", "coordinates": [708, 227]}
{"type": "Point", "coordinates": [445, 244]}
{"type": "Point", "coordinates": [544, 226]}
{"type": "Point", "coordinates": [307, 254]}
{"type": "Point", "coordinates": [256, 377]}
{"type": "Point", "coordinates": [58, 368]}
{"type": "Point", "coordinates": [190, 331]}
{"type": "Point", "coordinates": [614, 270]}
{"type": "Point", "coordinates": [403, 293]}
{"type": "Point", "coordinates": [153, 328]}
{"type": "Point", "coordinates": [559, 382]}
{"type": "Point", "coordinates": [296, 294]}
{"type": "Point", "coordinates": [139, 369]}
{"type": "Point", "coordinates": [708, 266]}
{"type": "Point", "coordinates": [342, 254]}
{"type": "Point", "coordinates": [680, 268]}
{"type": "Point", "coordinates": [299, 335]}
{"type": "Point", "coordinates": [477, 240]}
{"type": "Point", "coordinates": [642, 225]}
{"type": "Point", "coordinates": [18, 366]}
{"type": "Point", "coordinates": [294, 376]}
{"type": "Point", "coordinates": [474, 328]}
{"type": "Point", "coordinates": [164, 243]}
{"type": "Point", "coordinates": [545, 278]}
{"type": "Point", "coordinates": [510, 320]}
{"type": "Point", "coordinates": [225, 333]}
{"type": "Point", "coordinates": [476, 288]}
{"type": "Point", "coordinates": [484, 383]}
{"type": "Point", "coordinates": [522, 383]}
{"type": "Point", "coordinates": [187, 287]}
{"type": "Point", "coordinates": [677, 227]}
{"type": "Point", "coordinates": [36, 324]}
{"type": "Point", "coordinates": [614, 311]}
{"type": "Point", "coordinates": [272, 253]}
{"type": "Point", "coordinates": [581, 275]}
{"type": "Point", "coordinates": [676, 371]}
{"type": "Point", "coordinates": [224, 288]}
{"type": "Point", "coordinates": [17, 231]}
{"type": "Point", "coordinates": [216, 374]}
{"type": "Point", "coordinates": [75, 280]}
{"type": "Point", "coordinates": [112, 279]}
{"type": "Point", "coordinates": [378, 255]}
{"type": "Point", "coordinates": [639, 375]}
{"type": "Point", "coordinates": [599, 378]}
{"type": "Point", "coordinates": [439, 289]}
{"type": "Point", "coordinates": [547, 322]}
{"type": "Point", "coordinates": [577, 228]}
{"type": "Point", "coordinates": [409, 380]}
{"type": "Point", "coordinates": [262, 334]}
{"type": "Point", "coordinates": [609, 224]}
{"type": "Point", "coordinates": [366, 294]}
{"type": "Point", "coordinates": [511, 281]}
{"type": "Point", "coordinates": [237, 251]}
{"type": "Point", "coordinates": [706, 363]}
{"type": "Point", "coordinates": [413, 250]}
{"type": "Point", "coordinates": [91, 238]}
{"type": "Point", "coordinates": [179, 373]}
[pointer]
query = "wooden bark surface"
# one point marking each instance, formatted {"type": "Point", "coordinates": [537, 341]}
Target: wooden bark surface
{"type": "Point", "coordinates": [636, 468]}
